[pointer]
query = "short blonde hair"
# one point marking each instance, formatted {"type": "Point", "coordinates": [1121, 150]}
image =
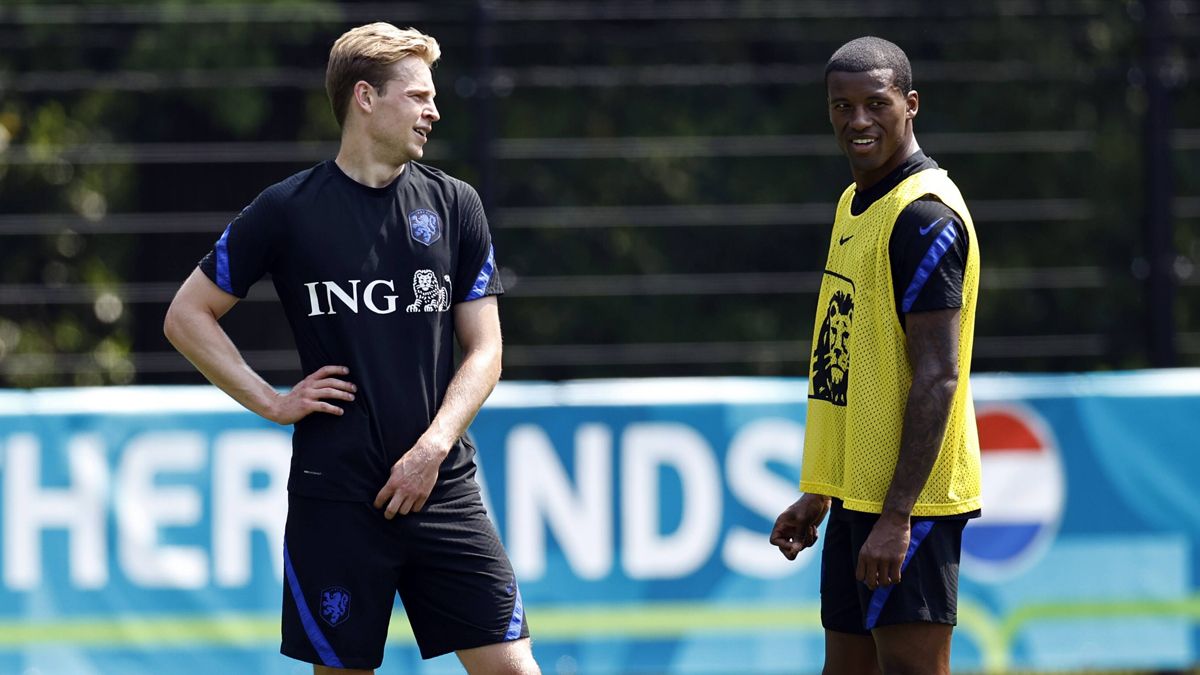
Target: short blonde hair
{"type": "Point", "coordinates": [367, 53]}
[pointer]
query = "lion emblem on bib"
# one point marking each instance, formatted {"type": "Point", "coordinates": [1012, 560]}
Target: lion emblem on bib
{"type": "Point", "coordinates": [428, 294]}
{"type": "Point", "coordinates": [830, 369]}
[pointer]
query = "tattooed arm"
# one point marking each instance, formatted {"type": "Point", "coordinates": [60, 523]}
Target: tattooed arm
{"type": "Point", "coordinates": [933, 355]}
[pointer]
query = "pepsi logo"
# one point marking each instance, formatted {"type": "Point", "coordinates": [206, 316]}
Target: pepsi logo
{"type": "Point", "coordinates": [1023, 494]}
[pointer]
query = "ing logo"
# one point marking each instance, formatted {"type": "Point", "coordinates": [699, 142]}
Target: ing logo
{"type": "Point", "coordinates": [428, 294]}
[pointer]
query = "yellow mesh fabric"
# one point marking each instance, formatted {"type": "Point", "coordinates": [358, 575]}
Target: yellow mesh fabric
{"type": "Point", "coordinates": [859, 376]}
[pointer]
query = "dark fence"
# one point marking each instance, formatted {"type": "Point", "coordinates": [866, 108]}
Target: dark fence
{"type": "Point", "coordinates": [660, 176]}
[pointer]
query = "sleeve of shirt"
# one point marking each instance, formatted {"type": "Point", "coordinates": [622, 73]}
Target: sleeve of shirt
{"type": "Point", "coordinates": [928, 251]}
{"type": "Point", "coordinates": [477, 275]}
{"type": "Point", "coordinates": [246, 250]}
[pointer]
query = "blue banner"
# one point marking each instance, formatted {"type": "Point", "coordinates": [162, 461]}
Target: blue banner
{"type": "Point", "coordinates": [141, 528]}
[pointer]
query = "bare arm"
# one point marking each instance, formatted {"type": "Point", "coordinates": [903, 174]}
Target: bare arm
{"type": "Point", "coordinates": [192, 328]}
{"type": "Point", "coordinates": [933, 355]}
{"type": "Point", "coordinates": [477, 326]}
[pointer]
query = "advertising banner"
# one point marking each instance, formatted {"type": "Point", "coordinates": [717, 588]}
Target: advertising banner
{"type": "Point", "coordinates": [141, 529]}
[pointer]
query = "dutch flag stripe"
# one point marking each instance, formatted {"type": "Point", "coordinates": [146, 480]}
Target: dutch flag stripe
{"type": "Point", "coordinates": [1023, 493]}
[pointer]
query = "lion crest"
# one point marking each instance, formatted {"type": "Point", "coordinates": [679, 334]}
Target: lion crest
{"type": "Point", "coordinates": [429, 295]}
{"type": "Point", "coordinates": [424, 226]}
{"type": "Point", "coordinates": [831, 359]}
{"type": "Point", "coordinates": [335, 605]}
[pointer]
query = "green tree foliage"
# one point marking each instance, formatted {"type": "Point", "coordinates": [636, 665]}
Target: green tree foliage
{"type": "Point", "coordinates": [46, 129]}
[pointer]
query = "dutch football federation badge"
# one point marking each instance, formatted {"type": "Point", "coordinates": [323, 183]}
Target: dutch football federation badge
{"type": "Point", "coordinates": [424, 226]}
{"type": "Point", "coordinates": [335, 605]}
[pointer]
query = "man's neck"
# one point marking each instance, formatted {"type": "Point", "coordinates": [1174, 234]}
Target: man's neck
{"type": "Point", "coordinates": [360, 164]}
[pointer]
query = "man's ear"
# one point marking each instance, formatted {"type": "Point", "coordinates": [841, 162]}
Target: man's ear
{"type": "Point", "coordinates": [364, 96]}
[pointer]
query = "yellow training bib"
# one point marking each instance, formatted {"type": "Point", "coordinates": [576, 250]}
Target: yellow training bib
{"type": "Point", "coordinates": [860, 376]}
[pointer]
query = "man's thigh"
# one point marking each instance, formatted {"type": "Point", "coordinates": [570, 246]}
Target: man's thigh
{"type": "Point", "coordinates": [458, 586]}
{"type": "Point", "coordinates": [841, 610]}
{"type": "Point", "coordinates": [909, 623]}
{"type": "Point", "coordinates": [339, 583]}
{"type": "Point", "coordinates": [928, 588]}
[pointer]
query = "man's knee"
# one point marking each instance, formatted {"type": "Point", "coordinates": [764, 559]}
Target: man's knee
{"type": "Point", "coordinates": [514, 657]}
{"type": "Point", "coordinates": [849, 654]}
{"type": "Point", "coordinates": [914, 648]}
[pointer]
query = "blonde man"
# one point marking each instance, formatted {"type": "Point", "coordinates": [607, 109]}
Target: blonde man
{"type": "Point", "coordinates": [379, 262]}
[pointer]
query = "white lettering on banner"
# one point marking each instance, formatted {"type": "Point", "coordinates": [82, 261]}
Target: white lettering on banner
{"type": "Point", "coordinates": [79, 509]}
{"type": "Point", "coordinates": [540, 494]}
{"type": "Point", "coordinates": [239, 510]}
{"type": "Point", "coordinates": [645, 449]}
{"type": "Point", "coordinates": [143, 508]}
{"type": "Point", "coordinates": [753, 483]}
{"type": "Point", "coordinates": [124, 498]}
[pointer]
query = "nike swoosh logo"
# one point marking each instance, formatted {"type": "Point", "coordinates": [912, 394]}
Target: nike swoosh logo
{"type": "Point", "coordinates": [845, 239]}
{"type": "Point", "coordinates": [925, 230]}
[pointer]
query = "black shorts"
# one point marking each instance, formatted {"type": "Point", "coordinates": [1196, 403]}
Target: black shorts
{"type": "Point", "coordinates": [344, 563]}
{"type": "Point", "coordinates": [928, 588]}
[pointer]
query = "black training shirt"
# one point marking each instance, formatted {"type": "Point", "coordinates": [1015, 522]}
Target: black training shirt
{"type": "Point", "coordinates": [367, 278]}
{"type": "Point", "coordinates": [928, 247]}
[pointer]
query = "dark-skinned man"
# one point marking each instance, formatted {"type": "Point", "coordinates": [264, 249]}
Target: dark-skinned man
{"type": "Point", "coordinates": [891, 451]}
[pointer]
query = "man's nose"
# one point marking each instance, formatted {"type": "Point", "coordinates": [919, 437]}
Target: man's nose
{"type": "Point", "coordinates": [859, 119]}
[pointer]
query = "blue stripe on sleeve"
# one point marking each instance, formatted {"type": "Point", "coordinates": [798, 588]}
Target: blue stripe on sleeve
{"type": "Point", "coordinates": [518, 617]}
{"type": "Point", "coordinates": [929, 263]}
{"type": "Point", "coordinates": [485, 275]}
{"type": "Point", "coordinates": [223, 262]}
{"type": "Point", "coordinates": [919, 530]}
{"type": "Point", "coordinates": [315, 636]}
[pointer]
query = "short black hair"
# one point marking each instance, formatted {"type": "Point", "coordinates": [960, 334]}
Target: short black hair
{"type": "Point", "coordinates": [871, 53]}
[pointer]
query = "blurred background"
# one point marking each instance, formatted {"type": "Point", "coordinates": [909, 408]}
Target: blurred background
{"type": "Point", "coordinates": [660, 177]}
